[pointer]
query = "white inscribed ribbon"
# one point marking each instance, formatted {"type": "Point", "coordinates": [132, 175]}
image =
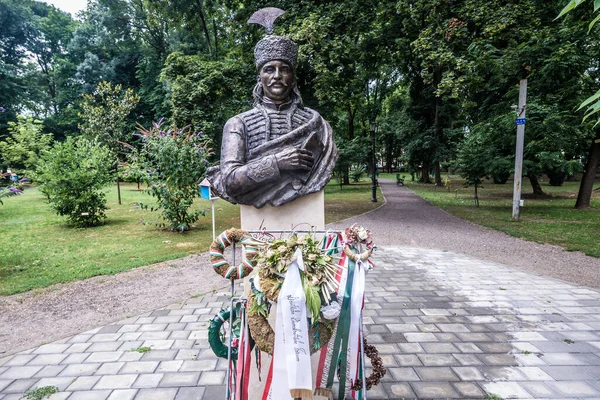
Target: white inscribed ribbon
{"type": "Point", "coordinates": [356, 303]}
{"type": "Point", "coordinates": [291, 354]}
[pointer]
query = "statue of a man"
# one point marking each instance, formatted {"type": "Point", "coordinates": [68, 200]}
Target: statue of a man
{"type": "Point", "coordinates": [279, 150]}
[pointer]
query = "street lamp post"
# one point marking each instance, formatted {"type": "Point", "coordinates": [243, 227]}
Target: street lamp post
{"type": "Point", "coordinates": [374, 166]}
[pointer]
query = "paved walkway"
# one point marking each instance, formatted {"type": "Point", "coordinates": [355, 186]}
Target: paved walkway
{"type": "Point", "coordinates": [447, 325]}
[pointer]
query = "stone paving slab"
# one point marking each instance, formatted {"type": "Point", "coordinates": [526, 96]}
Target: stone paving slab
{"type": "Point", "coordinates": [446, 326]}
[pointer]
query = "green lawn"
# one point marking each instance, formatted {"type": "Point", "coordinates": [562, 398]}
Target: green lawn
{"type": "Point", "coordinates": [547, 219]}
{"type": "Point", "coordinates": [38, 248]}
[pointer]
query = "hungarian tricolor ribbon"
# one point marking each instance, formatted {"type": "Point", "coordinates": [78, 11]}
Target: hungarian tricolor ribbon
{"type": "Point", "coordinates": [244, 361]}
{"type": "Point", "coordinates": [344, 348]}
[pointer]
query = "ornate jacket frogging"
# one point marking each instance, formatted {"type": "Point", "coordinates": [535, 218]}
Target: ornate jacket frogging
{"type": "Point", "coordinates": [248, 173]}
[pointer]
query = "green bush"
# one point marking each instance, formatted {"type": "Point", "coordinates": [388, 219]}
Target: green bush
{"type": "Point", "coordinates": [73, 174]}
{"type": "Point", "coordinates": [176, 161]}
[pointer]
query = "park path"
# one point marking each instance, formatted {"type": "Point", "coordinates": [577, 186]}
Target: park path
{"type": "Point", "coordinates": [447, 324]}
{"type": "Point", "coordinates": [408, 220]}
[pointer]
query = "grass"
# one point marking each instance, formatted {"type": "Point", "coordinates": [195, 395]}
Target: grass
{"type": "Point", "coordinates": [40, 393]}
{"type": "Point", "coordinates": [548, 219]}
{"type": "Point", "coordinates": [39, 248]}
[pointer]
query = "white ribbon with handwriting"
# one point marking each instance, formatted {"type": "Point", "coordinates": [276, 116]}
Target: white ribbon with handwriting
{"type": "Point", "coordinates": [291, 354]}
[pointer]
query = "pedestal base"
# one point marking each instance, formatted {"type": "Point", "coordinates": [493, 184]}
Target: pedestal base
{"type": "Point", "coordinates": [303, 213]}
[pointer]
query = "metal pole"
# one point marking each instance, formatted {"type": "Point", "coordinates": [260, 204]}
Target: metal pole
{"type": "Point", "coordinates": [374, 168]}
{"type": "Point", "coordinates": [228, 393]}
{"type": "Point", "coordinates": [516, 211]}
{"type": "Point", "coordinates": [213, 217]}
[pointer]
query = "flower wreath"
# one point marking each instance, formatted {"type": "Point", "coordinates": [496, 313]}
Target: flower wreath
{"type": "Point", "coordinates": [224, 240]}
{"type": "Point", "coordinates": [318, 280]}
{"type": "Point", "coordinates": [354, 237]}
{"type": "Point", "coordinates": [379, 370]}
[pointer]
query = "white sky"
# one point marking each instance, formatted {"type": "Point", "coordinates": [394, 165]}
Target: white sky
{"type": "Point", "coordinates": [70, 6]}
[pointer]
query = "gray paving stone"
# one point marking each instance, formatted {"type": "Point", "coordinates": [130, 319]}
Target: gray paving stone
{"type": "Point", "coordinates": [124, 394]}
{"type": "Point", "coordinates": [200, 365]}
{"type": "Point", "coordinates": [400, 390]}
{"type": "Point", "coordinates": [115, 382]}
{"type": "Point", "coordinates": [498, 359]}
{"type": "Point", "coordinates": [209, 378]}
{"type": "Point", "coordinates": [567, 373]}
{"type": "Point", "coordinates": [403, 374]}
{"type": "Point", "coordinates": [159, 355]}
{"type": "Point", "coordinates": [19, 386]}
{"type": "Point", "coordinates": [214, 392]}
{"type": "Point", "coordinates": [82, 383]}
{"type": "Point", "coordinates": [434, 390]}
{"type": "Point", "coordinates": [110, 368]}
{"type": "Point", "coordinates": [104, 357]}
{"type": "Point", "coordinates": [436, 374]}
{"type": "Point", "coordinates": [169, 366]}
{"type": "Point", "coordinates": [20, 372]}
{"type": "Point", "coordinates": [179, 379]}
{"type": "Point", "coordinates": [110, 329]}
{"type": "Point", "coordinates": [77, 348]}
{"type": "Point", "coordinates": [80, 369]}
{"type": "Point", "coordinates": [19, 360]}
{"type": "Point", "coordinates": [90, 395]}
{"type": "Point", "coordinates": [76, 358]}
{"type": "Point", "coordinates": [438, 360]}
{"type": "Point", "coordinates": [437, 348]}
{"type": "Point", "coordinates": [60, 382]}
{"type": "Point", "coordinates": [104, 337]}
{"type": "Point", "coordinates": [49, 371]}
{"type": "Point", "coordinates": [469, 390]}
{"type": "Point", "coordinates": [139, 367]}
{"type": "Point", "coordinates": [4, 383]}
{"type": "Point", "coordinates": [52, 348]}
{"type": "Point", "coordinates": [574, 388]}
{"type": "Point", "coordinates": [148, 381]}
{"type": "Point", "coordinates": [103, 346]}
{"type": "Point", "coordinates": [158, 394]}
{"type": "Point", "coordinates": [468, 373]}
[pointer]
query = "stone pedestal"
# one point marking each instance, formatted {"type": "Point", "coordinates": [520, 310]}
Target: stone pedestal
{"type": "Point", "coordinates": [301, 214]}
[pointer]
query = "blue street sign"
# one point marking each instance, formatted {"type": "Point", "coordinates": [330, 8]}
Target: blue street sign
{"type": "Point", "coordinates": [520, 121]}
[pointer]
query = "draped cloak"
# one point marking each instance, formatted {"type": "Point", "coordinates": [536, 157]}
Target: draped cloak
{"type": "Point", "coordinates": [248, 173]}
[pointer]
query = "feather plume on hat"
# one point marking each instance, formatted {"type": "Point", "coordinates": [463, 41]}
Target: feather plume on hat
{"type": "Point", "coordinates": [266, 17]}
{"type": "Point", "coordinates": [272, 47]}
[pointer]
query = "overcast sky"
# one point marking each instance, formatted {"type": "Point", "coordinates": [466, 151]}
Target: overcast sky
{"type": "Point", "coordinates": [70, 6]}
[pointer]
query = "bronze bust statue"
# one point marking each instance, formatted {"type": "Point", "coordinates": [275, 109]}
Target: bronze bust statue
{"type": "Point", "coordinates": [279, 150]}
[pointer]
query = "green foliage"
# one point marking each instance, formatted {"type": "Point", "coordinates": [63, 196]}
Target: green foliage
{"type": "Point", "coordinates": [73, 174]}
{"type": "Point", "coordinates": [22, 148]}
{"type": "Point", "coordinates": [104, 114]}
{"type": "Point", "coordinates": [40, 393]}
{"type": "Point", "coordinates": [557, 167]}
{"type": "Point", "coordinates": [176, 160]}
{"type": "Point", "coordinates": [471, 162]}
{"type": "Point", "coordinates": [205, 94]}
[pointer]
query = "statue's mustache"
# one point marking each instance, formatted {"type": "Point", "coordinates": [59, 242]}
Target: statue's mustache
{"type": "Point", "coordinates": [279, 82]}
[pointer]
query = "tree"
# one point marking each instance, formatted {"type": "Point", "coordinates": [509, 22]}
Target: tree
{"type": "Point", "coordinates": [24, 145]}
{"type": "Point", "coordinates": [73, 174]}
{"type": "Point", "coordinates": [471, 162]}
{"type": "Point", "coordinates": [593, 106]}
{"type": "Point", "coordinates": [176, 161]}
{"type": "Point", "coordinates": [104, 117]}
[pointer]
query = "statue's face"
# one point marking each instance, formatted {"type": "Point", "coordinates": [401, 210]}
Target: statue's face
{"type": "Point", "coordinates": [277, 80]}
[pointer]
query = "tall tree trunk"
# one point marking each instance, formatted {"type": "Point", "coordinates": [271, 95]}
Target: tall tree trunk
{"type": "Point", "coordinates": [535, 184]}
{"type": "Point", "coordinates": [204, 26]}
{"type": "Point", "coordinates": [587, 181]}
{"type": "Point", "coordinates": [437, 173]}
{"type": "Point", "coordinates": [350, 113]}
{"type": "Point", "coordinates": [425, 174]}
